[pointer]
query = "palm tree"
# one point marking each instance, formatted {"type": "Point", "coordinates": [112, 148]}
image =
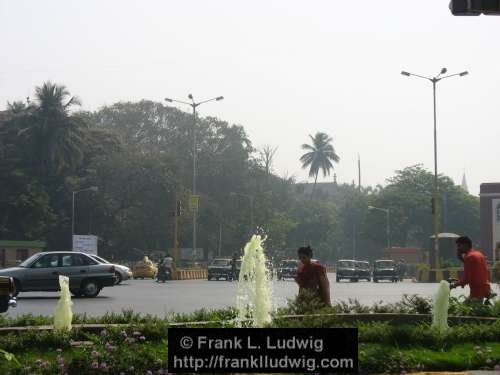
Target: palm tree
{"type": "Point", "coordinates": [320, 155]}
{"type": "Point", "coordinates": [55, 134]}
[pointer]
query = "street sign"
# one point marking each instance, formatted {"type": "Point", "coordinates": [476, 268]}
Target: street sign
{"type": "Point", "coordinates": [85, 244]}
{"type": "Point", "coordinates": [194, 202]}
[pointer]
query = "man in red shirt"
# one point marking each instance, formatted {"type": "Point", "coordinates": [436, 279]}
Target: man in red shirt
{"type": "Point", "coordinates": [311, 278]}
{"type": "Point", "coordinates": [475, 270]}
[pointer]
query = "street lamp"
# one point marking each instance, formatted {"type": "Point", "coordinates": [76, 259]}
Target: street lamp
{"type": "Point", "coordinates": [194, 105]}
{"type": "Point", "coordinates": [434, 81]}
{"type": "Point", "coordinates": [388, 226]}
{"type": "Point", "coordinates": [91, 188]}
{"type": "Point", "coordinates": [252, 201]}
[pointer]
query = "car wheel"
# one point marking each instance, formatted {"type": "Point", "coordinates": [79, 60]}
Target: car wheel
{"type": "Point", "coordinates": [4, 304]}
{"type": "Point", "coordinates": [337, 279]}
{"type": "Point", "coordinates": [90, 288]}
{"type": "Point", "coordinates": [17, 284]}
{"type": "Point", "coordinates": [118, 278]}
{"type": "Point", "coordinates": [375, 280]}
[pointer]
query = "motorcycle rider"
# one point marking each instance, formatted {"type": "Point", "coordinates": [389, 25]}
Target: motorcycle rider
{"type": "Point", "coordinates": [165, 268]}
{"type": "Point", "coordinates": [168, 262]}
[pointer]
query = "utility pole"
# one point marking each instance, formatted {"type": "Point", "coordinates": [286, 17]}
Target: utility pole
{"type": "Point", "coordinates": [354, 241]}
{"type": "Point", "coordinates": [359, 173]}
{"type": "Point", "coordinates": [434, 81]}
{"type": "Point", "coordinates": [194, 197]}
{"type": "Point", "coordinates": [177, 213]}
{"type": "Point", "coordinates": [219, 250]}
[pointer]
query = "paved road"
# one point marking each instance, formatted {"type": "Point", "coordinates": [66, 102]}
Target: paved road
{"type": "Point", "coordinates": [148, 297]}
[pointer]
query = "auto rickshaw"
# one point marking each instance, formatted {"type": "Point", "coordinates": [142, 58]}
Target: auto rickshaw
{"type": "Point", "coordinates": [144, 269]}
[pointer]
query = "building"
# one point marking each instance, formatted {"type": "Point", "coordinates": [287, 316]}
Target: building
{"type": "Point", "coordinates": [489, 197]}
{"type": "Point", "coordinates": [14, 252]}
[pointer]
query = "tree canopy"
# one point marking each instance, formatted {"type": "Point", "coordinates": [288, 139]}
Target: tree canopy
{"type": "Point", "coordinates": [139, 155]}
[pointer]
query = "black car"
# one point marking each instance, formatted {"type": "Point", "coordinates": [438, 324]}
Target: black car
{"type": "Point", "coordinates": [385, 270]}
{"type": "Point", "coordinates": [287, 269]}
{"type": "Point", "coordinates": [346, 270]}
{"type": "Point", "coordinates": [363, 270]}
{"type": "Point", "coordinates": [7, 293]}
{"type": "Point", "coordinates": [220, 268]}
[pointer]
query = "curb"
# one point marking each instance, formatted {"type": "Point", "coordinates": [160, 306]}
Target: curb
{"type": "Point", "coordinates": [344, 318]}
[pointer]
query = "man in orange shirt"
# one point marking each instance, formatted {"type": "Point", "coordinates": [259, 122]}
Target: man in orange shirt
{"type": "Point", "coordinates": [312, 279]}
{"type": "Point", "coordinates": [475, 270]}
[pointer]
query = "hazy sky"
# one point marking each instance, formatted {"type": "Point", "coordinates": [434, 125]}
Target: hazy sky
{"type": "Point", "coordinates": [286, 69]}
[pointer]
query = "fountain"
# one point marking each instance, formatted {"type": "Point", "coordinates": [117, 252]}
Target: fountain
{"type": "Point", "coordinates": [253, 298]}
{"type": "Point", "coordinates": [63, 315]}
{"type": "Point", "coordinates": [440, 307]}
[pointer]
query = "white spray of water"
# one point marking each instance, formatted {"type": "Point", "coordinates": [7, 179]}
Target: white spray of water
{"type": "Point", "coordinates": [63, 314]}
{"type": "Point", "coordinates": [440, 307]}
{"type": "Point", "coordinates": [253, 298]}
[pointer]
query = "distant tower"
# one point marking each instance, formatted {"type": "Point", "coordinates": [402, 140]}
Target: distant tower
{"type": "Point", "coordinates": [335, 178]}
{"type": "Point", "coordinates": [464, 184]}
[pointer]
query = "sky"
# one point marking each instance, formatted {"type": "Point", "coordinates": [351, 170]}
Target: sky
{"type": "Point", "coordinates": [287, 69]}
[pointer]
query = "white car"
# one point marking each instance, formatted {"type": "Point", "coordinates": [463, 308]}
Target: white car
{"type": "Point", "coordinates": [121, 272]}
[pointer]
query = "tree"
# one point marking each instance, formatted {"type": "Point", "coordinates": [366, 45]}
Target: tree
{"type": "Point", "coordinates": [55, 136]}
{"type": "Point", "coordinates": [320, 156]}
{"type": "Point", "coordinates": [25, 213]}
{"type": "Point", "coordinates": [408, 196]}
{"type": "Point", "coordinates": [266, 158]}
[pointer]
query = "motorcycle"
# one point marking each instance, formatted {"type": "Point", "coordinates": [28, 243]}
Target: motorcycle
{"type": "Point", "coordinates": [164, 273]}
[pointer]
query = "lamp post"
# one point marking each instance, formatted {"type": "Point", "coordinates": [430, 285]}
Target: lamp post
{"type": "Point", "coordinates": [434, 81]}
{"type": "Point", "coordinates": [194, 105]}
{"type": "Point", "coordinates": [252, 201]}
{"type": "Point", "coordinates": [388, 225]}
{"type": "Point", "coordinates": [92, 188]}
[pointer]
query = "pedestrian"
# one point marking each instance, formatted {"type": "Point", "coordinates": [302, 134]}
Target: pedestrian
{"type": "Point", "coordinates": [234, 261]}
{"type": "Point", "coordinates": [312, 279]}
{"type": "Point", "coordinates": [476, 273]}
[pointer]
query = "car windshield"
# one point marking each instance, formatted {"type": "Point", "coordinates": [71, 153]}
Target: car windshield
{"type": "Point", "coordinates": [346, 264]}
{"type": "Point", "coordinates": [30, 260]}
{"type": "Point", "coordinates": [289, 264]}
{"type": "Point", "coordinates": [384, 264]}
{"type": "Point", "coordinates": [99, 259]}
{"type": "Point", "coordinates": [220, 262]}
{"type": "Point", "coordinates": [363, 266]}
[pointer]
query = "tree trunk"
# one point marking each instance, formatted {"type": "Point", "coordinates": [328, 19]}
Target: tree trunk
{"type": "Point", "coordinates": [314, 186]}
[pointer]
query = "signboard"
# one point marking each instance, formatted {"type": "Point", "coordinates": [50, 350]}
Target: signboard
{"type": "Point", "coordinates": [85, 244]}
{"type": "Point", "coordinates": [194, 201]}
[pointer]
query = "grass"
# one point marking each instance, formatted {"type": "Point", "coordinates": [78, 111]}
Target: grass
{"type": "Point", "coordinates": [460, 357]}
{"type": "Point", "coordinates": [373, 358]}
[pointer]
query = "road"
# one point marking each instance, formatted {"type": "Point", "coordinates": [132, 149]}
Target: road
{"type": "Point", "coordinates": [148, 297]}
